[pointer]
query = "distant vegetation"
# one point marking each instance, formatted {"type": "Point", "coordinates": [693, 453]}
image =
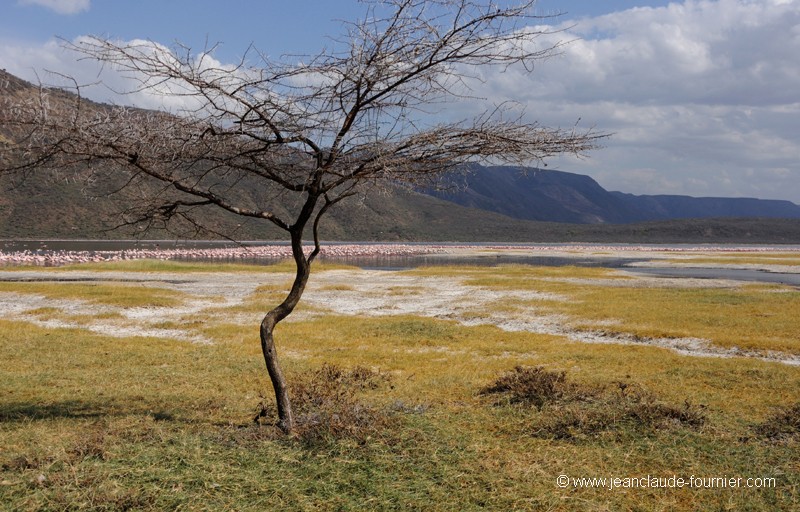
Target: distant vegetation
{"type": "Point", "coordinates": [40, 208]}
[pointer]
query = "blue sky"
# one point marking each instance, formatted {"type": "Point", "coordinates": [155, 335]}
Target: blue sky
{"type": "Point", "coordinates": [703, 96]}
{"type": "Point", "coordinates": [278, 26]}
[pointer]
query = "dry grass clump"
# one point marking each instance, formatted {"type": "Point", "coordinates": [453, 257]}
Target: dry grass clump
{"type": "Point", "coordinates": [90, 445]}
{"type": "Point", "coordinates": [532, 386]}
{"type": "Point", "coordinates": [569, 410]}
{"type": "Point", "coordinates": [616, 411]}
{"type": "Point", "coordinates": [784, 426]}
{"type": "Point", "coordinates": [327, 403]}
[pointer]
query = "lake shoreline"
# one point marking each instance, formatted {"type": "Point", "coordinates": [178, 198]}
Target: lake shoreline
{"type": "Point", "coordinates": [778, 263]}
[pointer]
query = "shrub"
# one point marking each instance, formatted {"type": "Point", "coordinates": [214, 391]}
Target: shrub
{"type": "Point", "coordinates": [532, 386]}
{"type": "Point", "coordinates": [569, 410]}
{"type": "Point", "coordinates": [783, 426]}
{"type": "Point", "coordinates": [326, 404]}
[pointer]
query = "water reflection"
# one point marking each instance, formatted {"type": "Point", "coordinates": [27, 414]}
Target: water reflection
{"type": "Point", "coordinates": [489, 260]}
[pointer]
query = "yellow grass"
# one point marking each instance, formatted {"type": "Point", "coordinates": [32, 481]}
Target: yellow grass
{"type": "Point", "coordinates": [121, 295]}
{"type": "Point", "coordinates": [92, 422]}
{"type": "Point", "coordinates": [750, 317]}
{"type": "Point", "coordinates": [153, 265]}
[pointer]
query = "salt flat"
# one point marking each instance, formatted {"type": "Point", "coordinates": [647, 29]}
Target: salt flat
{"type": "Point", "coordinates": [214, 297]}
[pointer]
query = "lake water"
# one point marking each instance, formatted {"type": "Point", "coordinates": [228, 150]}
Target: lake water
{"type": "Point", "coordinates": [735, 274]}
{"type": "Point", "coordinates": [399, 262]}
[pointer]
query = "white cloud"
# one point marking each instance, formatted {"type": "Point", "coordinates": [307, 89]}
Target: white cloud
{"type": "Point", "coordinates": [53, 65]}
{"type": "Point", "coordinates": [61, 6]}
{"type": "Point", "coordinates": [695, 52]}
{"type": "Point", "coordinates": [702, 96]}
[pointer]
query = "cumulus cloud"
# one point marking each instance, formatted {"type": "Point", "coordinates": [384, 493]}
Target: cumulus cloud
{"type": "Point", "coordinates": [733, 52]}
{"type": "Point", "coordinates": [702, 97]}
{"type": "Point", "coordinates": [52, 64]}
{"type": "Point", "coordinates": [61, 6]}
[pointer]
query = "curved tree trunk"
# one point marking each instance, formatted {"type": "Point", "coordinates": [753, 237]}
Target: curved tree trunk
{"type": "Point", "coordinates": [285, 415]}
{"type": "Point", "coordinates": [284, 309]}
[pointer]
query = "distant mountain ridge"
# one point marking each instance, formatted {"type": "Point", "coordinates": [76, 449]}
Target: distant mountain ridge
{"type": "Point", "coordinates": [558, 196]}
{"type": "Point", "coordinates": [661, 207]}
{"type": "Point", "coordinates": [494, 204]}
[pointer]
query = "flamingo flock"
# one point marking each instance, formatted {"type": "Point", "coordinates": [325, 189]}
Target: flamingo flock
{"type": "Point", "coordinates": [48, 258]}
{"type": "Point", "coordinates": [53, 258]}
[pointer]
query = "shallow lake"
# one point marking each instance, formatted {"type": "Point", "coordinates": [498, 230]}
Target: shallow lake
{"type": "Point", "coordinates": [406, 262]}
{"type": "Point", "coordinates": [736, 274]}
{"type": "Point", "coordinates": [400, 262]}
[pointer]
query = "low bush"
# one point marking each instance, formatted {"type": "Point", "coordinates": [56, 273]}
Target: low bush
{"type": "Point", "coordinates": [570, 410]}
{"type": "Point", "coordinates": [783, 426]}
{"type": "Point", "coordinates": [326, 404]}
{"type": "Point", "coordinates": [531, 386]}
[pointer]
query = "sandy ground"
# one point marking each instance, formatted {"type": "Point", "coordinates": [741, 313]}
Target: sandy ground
{"type": "Point", "coordinates": [344, 292]}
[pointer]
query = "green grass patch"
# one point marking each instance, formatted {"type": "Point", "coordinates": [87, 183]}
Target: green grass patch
{"type": "Point", "coordinates": [114, 424]}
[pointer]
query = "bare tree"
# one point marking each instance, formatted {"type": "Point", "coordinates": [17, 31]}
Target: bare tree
{"type": "Point", "coordinates": [307, 132]}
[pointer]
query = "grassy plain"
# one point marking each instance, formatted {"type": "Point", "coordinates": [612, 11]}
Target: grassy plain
{"type": "Point", "coordinates": [395, 411]}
